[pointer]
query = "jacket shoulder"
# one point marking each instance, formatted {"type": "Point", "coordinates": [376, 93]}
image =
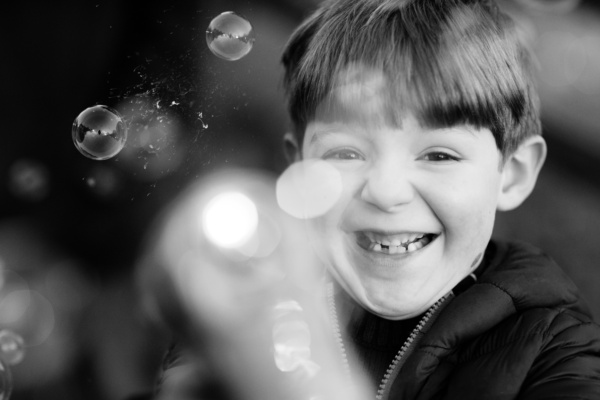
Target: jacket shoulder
{"type": "Point", "coordinates": [537, 353]}
{"type": "Point", "coordinates": [534, 329]}
{"type": "Point", "coordinates": [568, 362]}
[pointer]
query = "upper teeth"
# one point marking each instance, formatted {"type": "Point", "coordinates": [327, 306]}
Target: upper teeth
{"type": "Point", "coordinates": [402, 239]}
{"type": "Point", "coordinates": [402, 243]}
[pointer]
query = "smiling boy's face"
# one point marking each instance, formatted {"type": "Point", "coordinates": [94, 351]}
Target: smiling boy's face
{"type": "Point", "coordinates": [417, 207]}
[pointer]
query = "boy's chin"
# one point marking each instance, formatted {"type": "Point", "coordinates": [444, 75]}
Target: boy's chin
{"type": "Point", "coordinates": [398, 309]}
{"type": "Point", "coordinates": [397, 315]}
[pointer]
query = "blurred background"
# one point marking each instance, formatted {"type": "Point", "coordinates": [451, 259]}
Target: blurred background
{"type": "Point", "coordinates": [72, 228]}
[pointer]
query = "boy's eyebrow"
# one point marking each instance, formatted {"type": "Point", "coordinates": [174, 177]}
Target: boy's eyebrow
{"type": "Point", "coordinates": [320, 134]}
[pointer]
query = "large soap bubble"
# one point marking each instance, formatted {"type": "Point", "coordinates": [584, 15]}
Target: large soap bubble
{"type": "Point", "coordinates": [99, 132]}
{"type": "Point", "coordinates": [230, 36]}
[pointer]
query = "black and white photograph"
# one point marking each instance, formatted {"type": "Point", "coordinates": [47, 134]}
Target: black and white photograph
{"type": "Point", "coordinates": [300, 199]}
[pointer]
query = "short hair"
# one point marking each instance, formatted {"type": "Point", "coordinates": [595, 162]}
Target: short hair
{"type": "Point", "coordinates": [449, 62]}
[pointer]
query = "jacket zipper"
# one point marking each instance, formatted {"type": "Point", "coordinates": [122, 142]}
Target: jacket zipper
{"type": "Point", "coordinates": [394, 367]}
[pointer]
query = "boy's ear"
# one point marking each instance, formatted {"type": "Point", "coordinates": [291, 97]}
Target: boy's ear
{"type": "Point", "coordinates": [291, 148]}
{"type": "Point", "coordinates": [520, 172]}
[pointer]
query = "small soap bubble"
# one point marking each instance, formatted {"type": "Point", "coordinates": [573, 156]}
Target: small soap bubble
{"type": "Point", "coordinates": [230, 36]}
{"type": "Point", "coordinates": [99, 132]}
{"type": "Point", "coordinates": [5, 381]}
{"type": "Point", "coordinates": [12, 347]}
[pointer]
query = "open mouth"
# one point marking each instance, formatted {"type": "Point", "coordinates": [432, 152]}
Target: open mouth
{"type": "Point", "coordinates": [394, 244]}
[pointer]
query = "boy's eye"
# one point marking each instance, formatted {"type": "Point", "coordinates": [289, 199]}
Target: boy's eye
{"type": "Point", "coordinates": [343, 154]}
{"type": "Point", "coordinates": [439, 156]}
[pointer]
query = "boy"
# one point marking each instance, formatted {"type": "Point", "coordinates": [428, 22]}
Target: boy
{"type": "Point", "coordinates": [427, 109]}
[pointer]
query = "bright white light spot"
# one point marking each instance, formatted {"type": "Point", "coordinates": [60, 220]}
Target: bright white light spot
{"type": "Point", "coordinates": [230, 219]}
{"type": "Point", "coordinates": [309, 188]}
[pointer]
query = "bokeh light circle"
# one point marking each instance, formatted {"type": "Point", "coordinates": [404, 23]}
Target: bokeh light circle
{"type": "Point", "coordinates": [29, 313]}
{"type": "Point", "coordinates": [230, 219]}
{"type": "Point", "coordinates": [309, 188]}
{"type": "Point", "coordinates": [29, 180]}
{"type": "Point", "coordinates": [99, 132]}
{"type": "Point", "coordinates": [230, 36]}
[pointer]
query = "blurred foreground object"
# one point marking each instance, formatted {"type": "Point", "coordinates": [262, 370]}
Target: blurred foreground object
{"type": "Point", "coordinates": [234, 277]}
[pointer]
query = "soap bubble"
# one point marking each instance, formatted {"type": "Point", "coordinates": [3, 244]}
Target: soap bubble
{"type": "Point", "coordinates": [99, 132]}
{"type": "Point", "coordinates": [12, 347]}
{"type": "Point", "coordinates": [5, 382]}
{"type": "Point", "coordinates": [230, 36]}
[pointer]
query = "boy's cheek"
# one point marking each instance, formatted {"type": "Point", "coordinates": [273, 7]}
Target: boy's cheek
{"type": "Point", "coordinates": [468, 217]}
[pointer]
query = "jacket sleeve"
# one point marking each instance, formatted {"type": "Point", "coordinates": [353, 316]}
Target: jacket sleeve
{"type": "Point", "coordinates": [568, 366]}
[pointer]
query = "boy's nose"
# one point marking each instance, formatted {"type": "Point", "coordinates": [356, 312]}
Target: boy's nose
{"type": "Point", "coordinates": [387, 190]}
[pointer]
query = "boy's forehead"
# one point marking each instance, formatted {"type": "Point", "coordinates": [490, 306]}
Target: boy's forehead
{"type": "Point", "coordinates": [360, 95]}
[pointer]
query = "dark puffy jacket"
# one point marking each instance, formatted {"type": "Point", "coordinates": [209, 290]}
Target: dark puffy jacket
{"type": "Point", "coordinates": [520, 332]}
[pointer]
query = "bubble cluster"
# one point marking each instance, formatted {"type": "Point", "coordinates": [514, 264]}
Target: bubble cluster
{"type": "Point", "coordinates": [230, 36]}
{"type": "Point", "coordinates": [12, 347]}
{"type": "Point", "coordinates": [99, 132]}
